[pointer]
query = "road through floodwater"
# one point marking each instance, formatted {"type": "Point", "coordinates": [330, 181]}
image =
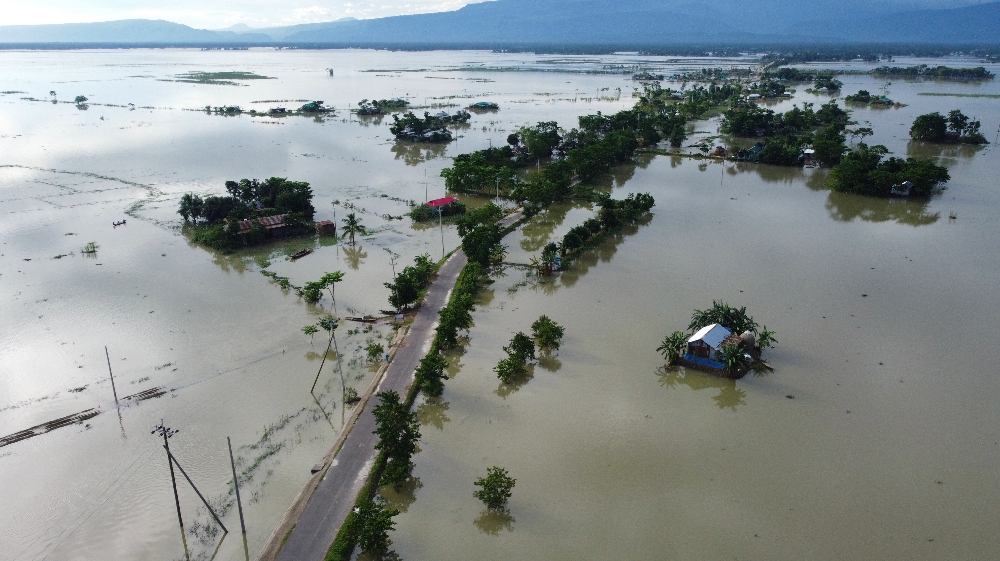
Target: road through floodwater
{"type": "Point", "coordinates": [888, 446]}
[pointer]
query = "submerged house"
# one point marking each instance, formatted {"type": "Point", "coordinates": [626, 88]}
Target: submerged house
{"type": "Point", "coordinates": [704, 349]}
{"type": "Point", "coordinates": [707, 344]}
{"type": "Point", "coordinates": [904, 189]}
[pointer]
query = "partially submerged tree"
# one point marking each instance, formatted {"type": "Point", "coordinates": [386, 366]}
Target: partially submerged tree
{"type": "Point", "coordinates": [673, 346]}
{"type": "Point", "coordinates": [373, 523]}
{"type": "Point", "coordinates": [352, 227]}
{"type": "Point", "coordinates": [495, 489]}
{"type": "Point", "coordinates": [430, 374]}
{"type": "Point", "coordinates": [548, 333]}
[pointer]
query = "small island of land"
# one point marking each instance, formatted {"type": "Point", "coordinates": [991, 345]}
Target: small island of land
{"type": "Point", "coordinates": [253, 212]}
{"type": "Point", "coordinates": [722, 340]}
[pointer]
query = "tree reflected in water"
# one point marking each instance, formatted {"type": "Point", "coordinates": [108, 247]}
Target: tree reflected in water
{"type": "Point", "coordinates": [414, 153]}
{"type": "Point", "coordinates": [354, 256]}
{"type": "Point", "coordinates": [433, 412]}
{"type": "Point", "coordinates": [505, 389]}
{"type": "Point", "coordinates": [538, 231]}
{"type": "Point", "coordinates": [493, 521]}
{"type": "Point", "coordinates": [729, 396]}
{"type": "Point", "coordinates": [400, 497]}
{"type": "Point", "coordinates": [845, 207]}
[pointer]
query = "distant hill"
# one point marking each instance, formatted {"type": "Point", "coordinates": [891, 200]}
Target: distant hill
{"type": "Point", "coordinates": [581, 22]}
{"type": "Point", "coordinates": [122, 31]}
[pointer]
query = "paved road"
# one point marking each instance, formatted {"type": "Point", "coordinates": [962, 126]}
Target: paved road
{"type": "Point", "coordinates": [329, 505]}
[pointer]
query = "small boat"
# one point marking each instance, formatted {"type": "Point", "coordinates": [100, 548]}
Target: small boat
{"type": "Point", "coordinates": [300, 253]}
{"type": "Point", "coordinates": [364, 319]}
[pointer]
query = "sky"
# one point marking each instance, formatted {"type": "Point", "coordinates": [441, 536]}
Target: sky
{"type": "Point", "coordinates": [214, 14]}
{"type": "Point", "coordinates": [219, 14]}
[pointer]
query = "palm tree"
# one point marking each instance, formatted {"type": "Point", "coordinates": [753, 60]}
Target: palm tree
{"type": "Point", "coordinates": [353, 226]}
{"type": "Point", "coordinates": [673, 346]}
{"type": "Point", "coordinates": [734, 359]}
{"type": "Point", "coordinates": [766, 338]}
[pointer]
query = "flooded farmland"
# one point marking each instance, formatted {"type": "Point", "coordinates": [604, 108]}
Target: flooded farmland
{"type": "Point", "coordinates": [876, 434]}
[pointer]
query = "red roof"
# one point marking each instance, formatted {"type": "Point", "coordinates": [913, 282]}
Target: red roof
{"type": "Point", "coordinates": [442, 202]}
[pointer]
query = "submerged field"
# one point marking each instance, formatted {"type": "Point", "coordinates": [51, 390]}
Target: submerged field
{"type": "Point", "coordinates": [873, 436]}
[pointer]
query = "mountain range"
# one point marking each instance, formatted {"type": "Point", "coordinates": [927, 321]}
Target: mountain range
{"type": "Point", "coordinates": [582, 22]}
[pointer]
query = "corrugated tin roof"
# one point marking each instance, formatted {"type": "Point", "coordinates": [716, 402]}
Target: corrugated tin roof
{"type": "Point", "coordinates": [441, 202]}
{"type": "Point", "coordinates": [712, 335]}
{"type": "Point", "coordinates": [268, 222]}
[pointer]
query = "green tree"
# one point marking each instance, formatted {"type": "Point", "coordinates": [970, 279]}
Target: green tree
{"type": "Point", "coordinates": [931, 127]}
{"type": "Point", "coordinates": [495, 489]}
{"type": "Point", "coordinates": [765, 338]}
{"type": "Point", "coordinates": [734, 319]}
{"type": "Point", "coordinates": [548, 333]}
{"type": "Point", "coordinates": [352, 227]}
{"type": "Point", "coordinates": [374, 522]}
{"type": "Point", "coordinates": [191, 206]}
{"type": "Point", "coordinates": [541, 139]}
{"type": "Point", "coordinates": [673, 346]}
{"type": "Point", "coordinates": [430, 374]}
{"type": "Point", "coordinates": [521, 346]}
{"type": "Point", "coordinates": [734, 359]}
{"type": "Point", "coordinates": [310, 330]}
{"type": "Point", "coordinates": [480, 242]}
{"type": "Point", "coordinates": [375, 351]}
{"type": "Point", "coordinates": [398, 432]}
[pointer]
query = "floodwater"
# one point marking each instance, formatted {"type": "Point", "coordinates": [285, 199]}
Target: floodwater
{"type": "Point", "coordinates": [887, 445]}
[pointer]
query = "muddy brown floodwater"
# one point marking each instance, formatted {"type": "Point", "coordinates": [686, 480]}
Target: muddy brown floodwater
{"type": "Point", "coordinates": [876, 434]}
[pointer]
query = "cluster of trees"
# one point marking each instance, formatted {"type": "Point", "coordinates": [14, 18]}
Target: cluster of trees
{"type": "Point", "coordinates": [612, 215]}
{"type": "Point", "coordinates": [426, 213]}
{"type": "Point", "coordinates": [247, 199]}
{"type": "Point", "coordinates": [398, 431]}
{"type": "Point", "coordinates": [548, 335]}
{"type": "Point", "coordinates": [406, 287]}
{"type": "Point", "coordinates": [250, 197]}
{"type": "Point", "coordinates": [312, 291]}
{"type": "Point", "coordinates": [457, 315]}
{"type": "Point", "coordinates": [599, 142]}
{"type": "Point", "coordinates": [734, 319]}
{"type": "Point", "coordinates": [519, 351]}
{"type": "Point", "coordinates": [863, 96]}
{"type": "Point", "coordinates": [381, 106]}
{"type": "Point", "coordinates": [829, 82]}
{"type": "Point", "coordinates": [956, 127]}
{"type": "Point", "coordinates": [789, 133]}
{"type": "Point", "coordinates": [863, 171]}
{"type": "Point", "coordinates": [924, 71]}
{"type": "Point", "coordinates": [484, 171]}
{"type": "Point", "coordinates": [432, 128]}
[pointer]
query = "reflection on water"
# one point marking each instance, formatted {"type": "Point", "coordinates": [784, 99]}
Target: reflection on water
{"type": "Point", "coordinates": [517, 382]}
{"type": "Point", "coordinates": [493, 521]}
{"type": "Point", "coordinates": [355, 256]}
{"type": "Point", "coordinates": [588, 259]}
{"type": "Point", "coordinates": [538, 231]}
{"type": "Point", "coordinates": [549, 362]}
{"type": "Point", "coordinates": [414, 153]}
{"type": "Point", "coordinates": [729, 396]}
{"type": "Point", "coordinates": [770, 174]}
{"type": "Point", "coordinates": [845, 207]}
{"type": "Point", "coordinates": [402, 496]}
{"type": "Point", "coordinates": [433, 412]}
{"type": "Point", "coordinates": [918, 149]}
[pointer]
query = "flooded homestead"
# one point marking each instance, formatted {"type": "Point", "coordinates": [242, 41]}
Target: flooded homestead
{"type": "Point", "coordinates": [874, 434]}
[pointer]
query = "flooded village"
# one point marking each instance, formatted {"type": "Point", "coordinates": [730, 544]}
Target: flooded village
{"type": "Point", "coordinates": [372, 304]}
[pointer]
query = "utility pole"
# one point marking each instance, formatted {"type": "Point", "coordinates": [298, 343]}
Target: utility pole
{"type": "Point", "coordinates": [115, 391]}
{"type": "Point", "coordinates": [236, 486]}
{"type": "Point", "coordinates": [166, 433]}
{"type": "Point", "coordinates": [392, 259]}
{"type": "Point", "coordinates": [332, 328]}
{"type": "Point", "coordinates": [200, 496]}
{"type": "Point", "coordinates": [441, 224]}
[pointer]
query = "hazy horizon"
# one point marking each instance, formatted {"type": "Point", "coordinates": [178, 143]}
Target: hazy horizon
{"type": "Point", "coordinates": [259, 14]}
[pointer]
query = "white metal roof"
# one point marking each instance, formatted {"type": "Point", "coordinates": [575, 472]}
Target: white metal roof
{"type": "Point", "coordinates": [711, 335]}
